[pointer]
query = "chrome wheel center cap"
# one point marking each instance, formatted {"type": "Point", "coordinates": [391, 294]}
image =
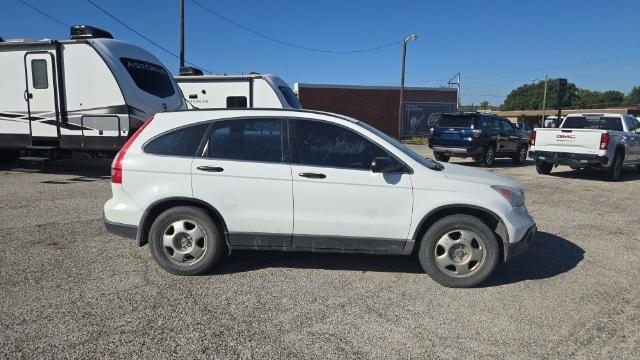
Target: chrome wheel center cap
{"type": "Point", "coordinates": [459, 253]}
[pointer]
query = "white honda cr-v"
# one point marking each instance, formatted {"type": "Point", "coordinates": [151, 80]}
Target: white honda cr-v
{"type": "Point", "coordinates": [195, 185]}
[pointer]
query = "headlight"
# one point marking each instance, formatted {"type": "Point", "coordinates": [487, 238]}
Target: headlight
{"type": "Point", "coordinates": [515, 197]}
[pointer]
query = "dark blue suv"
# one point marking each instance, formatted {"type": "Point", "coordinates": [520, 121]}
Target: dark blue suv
{"type": "Point", "coordinates": [481, 136]}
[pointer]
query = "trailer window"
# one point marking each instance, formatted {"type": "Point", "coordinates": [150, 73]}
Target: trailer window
{"type": "Point", "coordinates": [150, 78]}
{"type": "Point", "coordinates": [236, 101]}
{"type": "Point", "coordinates": [39, 75]}
{"type": "Point", "coordinates": [291, 97]}
{"type": "Point", "coordinates": [601, 123]}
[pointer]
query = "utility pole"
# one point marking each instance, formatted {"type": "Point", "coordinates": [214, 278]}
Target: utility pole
{"type": "Point", "coordinates": [458, 77]}
{"type": "Point", "coordinates": [544, 100]}
{"type": "Point", "coordinates": [181, 34]}
{"type": "Point", "coordinates": [404, 59]}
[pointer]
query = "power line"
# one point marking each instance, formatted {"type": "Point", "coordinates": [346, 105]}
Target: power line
{"type": "Point", "coordinates": [60, 22]}
{"type": "Point", "coordinates": [286, 43]}
{"type": "Point", "coordinates": [539, 69]}
{"type": "Point", "coordinates": [140, 34]}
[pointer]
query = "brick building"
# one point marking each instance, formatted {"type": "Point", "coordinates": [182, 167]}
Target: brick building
{"type": "Point", "coordinates": [378, 105]}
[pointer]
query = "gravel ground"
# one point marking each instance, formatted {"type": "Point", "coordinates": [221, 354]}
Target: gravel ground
{"type": "Point", "coordinates": [70, 289]}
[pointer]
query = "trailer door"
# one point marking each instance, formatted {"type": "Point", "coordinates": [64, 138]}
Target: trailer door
{"type": "Point", "coordinates": [40, 94]}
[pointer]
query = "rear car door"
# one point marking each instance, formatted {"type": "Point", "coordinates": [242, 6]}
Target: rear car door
{"type": "Point", "coordinates": [633, 129]}
{"type": "Point", "coordinates": [340, 203]}
{"type": "Point", "coordinates": [243, 175]}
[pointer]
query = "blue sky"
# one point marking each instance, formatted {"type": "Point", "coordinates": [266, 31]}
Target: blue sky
{"type": "Point", "coordinates": [495, 44]}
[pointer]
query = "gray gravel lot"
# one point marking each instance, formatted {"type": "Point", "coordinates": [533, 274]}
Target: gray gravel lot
{"type": "Point", "coordinates": [70, 289]}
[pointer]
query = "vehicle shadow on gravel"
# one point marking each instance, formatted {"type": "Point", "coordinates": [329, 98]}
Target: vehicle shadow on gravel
{"type": "Point", "coordinates": [547, 256]}
{"type": "Point", "coordinates": [247, 260]}
{"type": "Point", "coordinates": [629, 173]}
{"type": "Point", "coordinates": [498, 164]}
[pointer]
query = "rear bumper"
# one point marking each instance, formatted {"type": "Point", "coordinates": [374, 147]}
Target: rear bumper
{"type": "Point", "coordinates": [123, 230]}
{"type": "Point", "coordinates": [569, 159]}
{"type": "Point", "coordinates": [512, 250]}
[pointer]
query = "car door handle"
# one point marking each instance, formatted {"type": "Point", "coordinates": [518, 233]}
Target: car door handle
{"type": "Point", "coordinates": [210, 168]}
{"type": "Point", "coordinates": [312, 175]}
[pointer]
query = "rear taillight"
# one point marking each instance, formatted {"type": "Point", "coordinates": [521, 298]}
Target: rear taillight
{"type": "Point", "coordinates": [604, 141]}
{"type": "Point", "coordinates": [116, 169]}
{"type": "Point", "coordinates": [532, 138]}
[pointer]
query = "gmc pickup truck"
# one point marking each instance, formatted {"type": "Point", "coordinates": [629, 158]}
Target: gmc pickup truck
{"type": "Point", "coordinates": [600, 141]}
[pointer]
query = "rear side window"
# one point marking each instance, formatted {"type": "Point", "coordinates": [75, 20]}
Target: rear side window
{"type": "Point", "coordinates": [322, 144]}
{"type": "Point", "coordinates": [150, 78]}
{"type": "Point", "coordinates": [257, 140]}
{"type": "Point", "coordinates": [181, 142]}
{"type": "Point", "coordinates": [488, 122]}
{"type": "Point", "coordinates": [463, 121]}
{"type": "Point", "coordinates": [601, 123]}
{"type": "Point", "coordinates": [39, 74]}
{"type": "Point", "coordinates": [506, 125]}
{"type": "Point", "coordinates": [290, 96]}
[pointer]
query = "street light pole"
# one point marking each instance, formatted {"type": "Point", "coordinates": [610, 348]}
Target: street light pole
{"type": "Point", "coordinates": [544, 100]}
{"type": "Point", "coordinates": [181, 34]}
{"type": "Point", "coordinates": [404, 58]}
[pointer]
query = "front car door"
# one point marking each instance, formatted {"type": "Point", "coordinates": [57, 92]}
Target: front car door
{"type": "Point", "coordinates": [340, 204]}
{"type": "Point", "coordinates": [242, 173]}
{"type": "Point", "coordinates": [40, 94]}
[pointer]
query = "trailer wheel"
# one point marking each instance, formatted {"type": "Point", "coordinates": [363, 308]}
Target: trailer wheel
{"type": "Point", "coordinates": [543, 167]}
{"type": "Point", "coordinates": [9, 156]}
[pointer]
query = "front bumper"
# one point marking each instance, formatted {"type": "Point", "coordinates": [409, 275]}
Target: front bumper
{"type": "Point", "coordinates": [569, 159]}
{"type": "Point", "coordinates": [514, 249]}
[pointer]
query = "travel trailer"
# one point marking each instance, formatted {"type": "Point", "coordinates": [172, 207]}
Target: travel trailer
{"type": "Point", "coordinates": [235, 91]}
{"type": "Point", "coordinates": [87, 93]}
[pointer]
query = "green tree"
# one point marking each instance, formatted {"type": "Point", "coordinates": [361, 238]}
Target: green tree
{"type": "Point", "coordinates": [484, 105]}
{"type": "Point", "coordinates": [633, 97]}
{"type": "Point", "coordinates": [530, 96]}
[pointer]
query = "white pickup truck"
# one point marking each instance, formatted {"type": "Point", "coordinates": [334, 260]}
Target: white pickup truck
{"type": "Point", "coordinates": [600, 141]}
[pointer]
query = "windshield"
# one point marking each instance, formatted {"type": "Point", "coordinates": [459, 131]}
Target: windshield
{"type": "Point", "coordinates": [452, 120]}
{"type": "Point", "coordinates": [428, 163]}
{"type": "Point", "coordinates": [290, 96]}
{"type": "Point", "coordinates": [596, 122]}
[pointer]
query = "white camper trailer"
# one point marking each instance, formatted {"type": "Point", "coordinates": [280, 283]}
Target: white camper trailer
{"type": "Point", "coordinates": [235, 91]}
{"type": "Point", "coordinates": [88, 93]}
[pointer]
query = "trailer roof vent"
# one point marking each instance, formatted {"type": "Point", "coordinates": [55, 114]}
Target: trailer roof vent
{"type": "Point", "coordinates": [88, 32]}
{"type": "Point", "coordinates": [190, 71]}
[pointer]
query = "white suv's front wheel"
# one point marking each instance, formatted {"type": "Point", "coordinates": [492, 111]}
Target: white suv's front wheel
{"type": "Point", "coordinates": [185, 241]}
{"type": "Point", "coordinates": [459, 251]}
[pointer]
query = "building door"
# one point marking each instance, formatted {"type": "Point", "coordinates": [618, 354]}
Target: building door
{"type": "Point", "coordinates": [40, 94]}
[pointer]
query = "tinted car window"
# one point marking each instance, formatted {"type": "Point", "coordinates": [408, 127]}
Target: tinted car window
{"type": "Point", "coordinates": [249, 140]}
{"type": "Point", "coordinates": [487, 122]}
{"type": "Point", "coordinates": [602, 123]}
{"type": "Point", "coordinates": [506, 125]}
{"type": "Point", "coordinates": [323, 144]}
{"type": "Point", "coordinates": [149, 77]}
{"type": "Point", "coordinates": [452, 120]}
{"type": "Point", "coordinates": [181, 142]}
{"type": "Point", "coordinates": [39, 74]}
{"type": "Point", "coordinates": [290, 96]}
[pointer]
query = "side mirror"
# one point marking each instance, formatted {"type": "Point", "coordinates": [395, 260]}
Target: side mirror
{"type": "Point", "coordinates": [384, 165]}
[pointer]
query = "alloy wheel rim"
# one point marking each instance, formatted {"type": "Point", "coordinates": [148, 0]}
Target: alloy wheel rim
{"type": "Point", "coordinates": [490, 156]}
{"type": "Point", "coordinates": [460, 253]}
{"type": "Point", "coordinates": [523, 155]}
{"type": "Point", "coordinates": [184, 242]}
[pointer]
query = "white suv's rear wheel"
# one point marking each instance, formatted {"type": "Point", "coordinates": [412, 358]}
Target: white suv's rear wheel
{"type": "Point", "coordinates": [459, 251]}
{"type": "Point", "coordinates": [185, 241]}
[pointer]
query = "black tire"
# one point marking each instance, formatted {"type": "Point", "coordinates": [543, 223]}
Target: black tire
{"type": "Point", "coordinates": [520, 157]}
{"type": "Point", "coordinates": [488, 156]}
{"type": "Point", "coordinates": [615, 170]}
{"type": "Point", "coordinates": [442, 156]}
{"type": "Point", "coordinates": [543, 167]}
{"type": "Point", "coordinates": [212, 243]}
{"type": "Point", "coordinates": [430, 248]}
